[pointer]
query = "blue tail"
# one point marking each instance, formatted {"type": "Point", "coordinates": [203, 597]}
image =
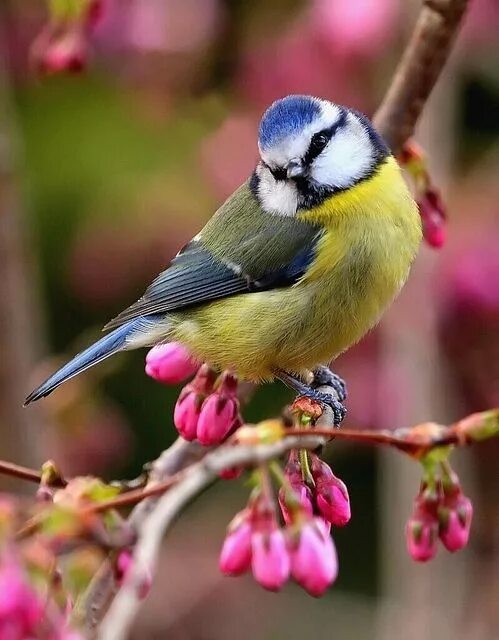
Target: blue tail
{"type": "Point", "coordinates": [100, 350]}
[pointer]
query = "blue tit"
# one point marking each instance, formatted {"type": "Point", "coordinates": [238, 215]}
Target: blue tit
{"type": "Point", "coordinates": [295, 267]}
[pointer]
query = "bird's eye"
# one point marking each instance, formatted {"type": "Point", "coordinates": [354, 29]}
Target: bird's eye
{"type": "Point", "coordinates": [318, 142]}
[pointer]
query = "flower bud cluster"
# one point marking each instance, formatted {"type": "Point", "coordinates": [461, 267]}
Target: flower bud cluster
{"type": "Point", "coordinates": [441, 511]}
{"type": "Point", "coordinates": [207, 409]}
{"type": "Point", "coordinates": [303, 550]}
{"type": "Point", "coordinates": [321, 494]}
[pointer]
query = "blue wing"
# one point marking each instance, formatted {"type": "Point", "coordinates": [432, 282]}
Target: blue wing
{"type": "Point", "coordinates": [196, 276]}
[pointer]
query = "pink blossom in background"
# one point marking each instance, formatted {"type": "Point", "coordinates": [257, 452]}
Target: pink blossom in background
{"type": "Point", "coordinates": [298, 62]}
{"type": "Point", "coordinates": [481, 25]}
{"type": "Point", "coordinates": [21, 609]}
{"type": "Point", "coordinates": [356, 27]}
{"type": "Point", "coordinates": [167, 26]}
{"type": "Point", "coordinates": [239, 159]}
{"type": "Point", "coordinates": [474, 274]}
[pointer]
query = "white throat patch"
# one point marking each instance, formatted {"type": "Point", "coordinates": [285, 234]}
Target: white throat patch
{"type": "Point", "coordinates": [279, 197]}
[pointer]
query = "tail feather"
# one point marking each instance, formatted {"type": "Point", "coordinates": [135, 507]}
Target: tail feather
{"type": "Point", "coordinates": [100, 350]}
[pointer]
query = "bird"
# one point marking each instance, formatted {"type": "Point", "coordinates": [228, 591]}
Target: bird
{"type": "Point", "coordinates": [295, 267]}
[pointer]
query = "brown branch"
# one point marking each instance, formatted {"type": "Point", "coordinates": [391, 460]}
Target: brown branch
{"type": "Point", "coordinates": [18, 471]}
{"type": "Point", "coordinates": [419, 69]}
{"type": "Point", "coordinates": [151, 531]}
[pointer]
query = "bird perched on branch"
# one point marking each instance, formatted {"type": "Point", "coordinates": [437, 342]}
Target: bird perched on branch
{"type": "Point", "coordinates": [295, 267]}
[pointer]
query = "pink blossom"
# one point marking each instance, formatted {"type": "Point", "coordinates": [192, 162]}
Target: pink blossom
{"type": "Point", "coordinates": [219, 413]}
{"type": "Point", "coordinates": [331, 494]}
{"type": "Point", "coordinates": [230, 474]}
{"type": "Point", "coordinates": [421, 538]}
{"type": "Point", "coordinates": [123, 563]}
{"type": "Point", "coordinates": [190, 400]}
{"type": "Point", "coordinates": [302, 500]}
{"type": "Point", "coordinates": [455, 524]}
{"type": "Point", "coordinates": [314, 561]}
{"type": "Point", "coordinates": [20, 606]}
{"type": "Point", "coordinates": [270, 560]}
{"type": "Point", "coordinates": [186, 413]}
{"type": "Point", "coordinates": [170, 363]}
{"type": "Point", "coordinates": [433, 218]}
{"type": "Point", "coordinates": [122, 569]}
{"type": "Point", "coordinates": [56, 51]}
{"type": "Point", "coordinates": [355, 27]}
{"type": "Point", "coordinates": [235, 557]}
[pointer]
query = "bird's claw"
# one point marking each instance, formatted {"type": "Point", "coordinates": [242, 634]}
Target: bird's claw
{"type": "Point", "coordinates": [331, 401]}
{"type": "Point", "coordinates": [323, 376]}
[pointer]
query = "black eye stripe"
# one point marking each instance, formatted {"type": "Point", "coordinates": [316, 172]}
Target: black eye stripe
{"type": "Point", "coordinates": [321, 139]}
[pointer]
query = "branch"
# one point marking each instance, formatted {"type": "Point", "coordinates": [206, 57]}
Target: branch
{"type": "Point", "coordinates": [419, 69]}
{"type": "Point", "coordinates": [18, 471]}
{"type": "Point", "coordinates": [126, 604]}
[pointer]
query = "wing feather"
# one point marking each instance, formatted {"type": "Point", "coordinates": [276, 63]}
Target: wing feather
{"type": "Point", "coordinates": [203, 272]}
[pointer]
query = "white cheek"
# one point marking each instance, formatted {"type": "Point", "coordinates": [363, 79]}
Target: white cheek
{"type": "Point", "coordinates": [277, 196]}
{"type": "Point", "coordinates": [346, 159]}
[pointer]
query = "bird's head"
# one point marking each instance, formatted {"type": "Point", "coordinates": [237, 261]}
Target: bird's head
{"type": "Point", "coordinates": [311, 148]}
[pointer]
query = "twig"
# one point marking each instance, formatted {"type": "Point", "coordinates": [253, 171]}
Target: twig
{"type": "Point", "coordinates": [126, 604]}
{"type": "Point", "coordinates": [419, 69]}
{"type": "Point", "coordinates": [18, 471]}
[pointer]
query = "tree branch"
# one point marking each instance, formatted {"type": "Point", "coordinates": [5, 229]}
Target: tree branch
{"type": "Point", "coordinates": [419, 69]}
{"type": "Point", "coordinates": [126, 604]}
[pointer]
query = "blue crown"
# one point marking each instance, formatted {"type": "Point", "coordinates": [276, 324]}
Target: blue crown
{"type": "Point", "coordinates": [286, 117]}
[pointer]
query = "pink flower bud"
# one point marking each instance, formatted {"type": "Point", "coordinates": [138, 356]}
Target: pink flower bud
{"type": "Point", "coordinates": [186, 413]}
{"type": "Point", "coordinates": [123, 563]}
{"type": "Point", "coordinates": [170, 363]}
{"type": "Point", "coordinates": [314, 561]}
{"type": "Point", "coordinates": [219, 413]}
{"type": "Point", "coordinates": [122, 568]}
{"type": "Point", "coordinates": [56, 51]}
{"type": "Point", "coordinates": [421, 538]}
{"type": "Point", "coordinates": [331, 494]}
{"type": "Point", "coordinates": [270, 561]}
{"type": "Point", "coordinates": [192, 396]}
{"type": "Point", "coordinates": [302, 501]}
{"type": "Point", "coordinates": [235, 557]}
{"type": "Point", "coordinates": [230, 474]}
{"type": "Point", "coordinates": [19, 604]}
{"type": "Point", "coordinates": [455, 524]}
{"type": "Point", "coordinates": [433, 217]}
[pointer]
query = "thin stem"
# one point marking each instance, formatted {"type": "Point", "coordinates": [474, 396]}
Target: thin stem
{"type": "Point", "coordinates": [18, 471]}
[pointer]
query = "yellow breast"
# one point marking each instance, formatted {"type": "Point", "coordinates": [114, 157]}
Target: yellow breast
{"type": "Point", "coordinates": [372, 232]}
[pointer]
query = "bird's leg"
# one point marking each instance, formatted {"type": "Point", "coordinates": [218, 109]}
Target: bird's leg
{"type": "Point", "coordinates": [303, 389]}
{"type": "Point", "coordinates": [324, 376]}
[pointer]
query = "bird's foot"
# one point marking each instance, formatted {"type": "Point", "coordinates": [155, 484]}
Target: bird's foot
{"type": "Point", "coordinates": [323, 376]}
{"type": "Point", "coordinates": [325, 399]}
{"type": "Point", "coordinates": [329, 400]}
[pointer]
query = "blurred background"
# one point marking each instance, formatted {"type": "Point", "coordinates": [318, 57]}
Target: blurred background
{"type": "Point", "coordinates": [105, 174]}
